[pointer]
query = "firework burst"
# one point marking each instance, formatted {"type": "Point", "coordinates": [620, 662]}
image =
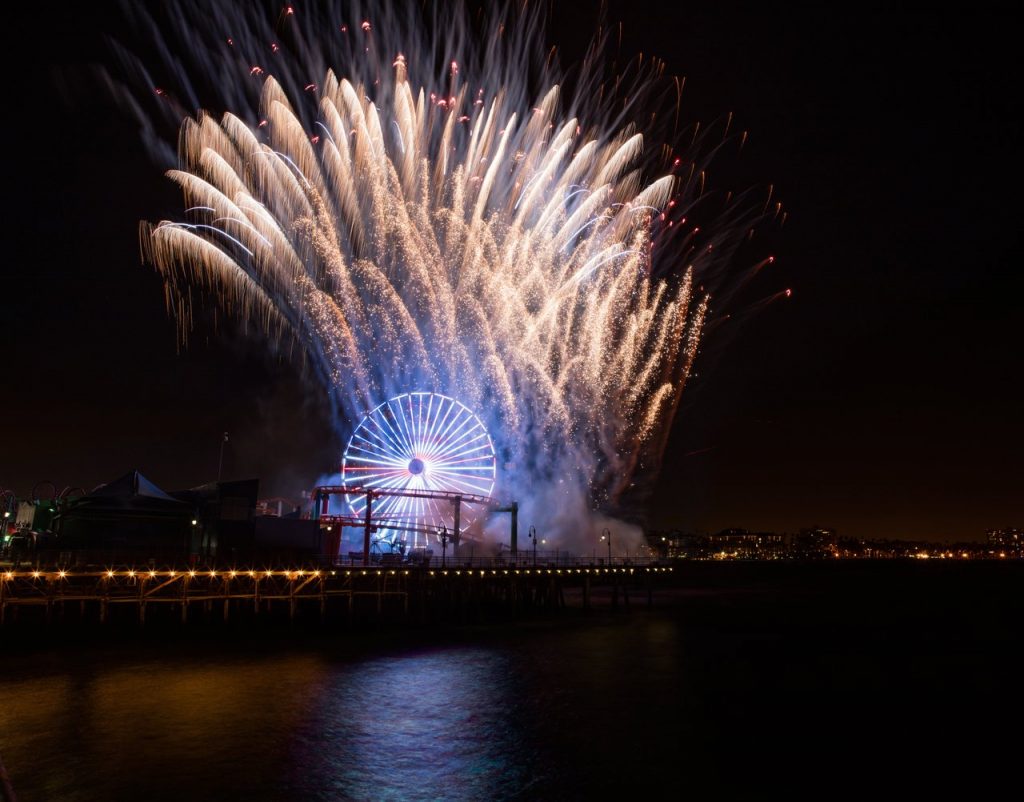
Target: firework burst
{"type": "Point", "coordinates": [471, 229]}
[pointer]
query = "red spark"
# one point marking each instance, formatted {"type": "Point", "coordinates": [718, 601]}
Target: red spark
{"type": "Point", "coordinates": [789, 293]}
{"type": "Point", "coordinates": [256, 70]}
{"type": "Point", "coordinates": [366, 25]}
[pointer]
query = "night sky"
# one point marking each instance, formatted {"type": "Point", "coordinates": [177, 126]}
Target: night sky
{"type": "Point", "coordinates": [883, 399]}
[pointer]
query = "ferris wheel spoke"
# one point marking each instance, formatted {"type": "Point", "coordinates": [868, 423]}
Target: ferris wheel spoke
{"type": "Point", "coordinates": [467, 485]}
{"type": "Point", "coordinates": [465, 460]}
{"type": "Point", "coordinates": [458, 462]}
{"type": "Point", "coordinates": [446, 409]}
{"type": "Point", "coordinates": [376, 440]}
{"type": "Point", "coordinates": [441, 429]}
{"type": "Point", "coordinates": [417, 426]}
{"type": "Point", "coordinates": [453, 425]}
{"type": "Point", "coordinates": [428, 425]}
{"type": "Point", "coordinates": [467, 441]}
{"type": "Point", "coordinates": [394, 433]}
{"type": "Point", "coordinates": [381, 423]}
{"type": "Point", "coordinates": [364, 457]}
{"type": "Point", "coordinates": [402, 421]}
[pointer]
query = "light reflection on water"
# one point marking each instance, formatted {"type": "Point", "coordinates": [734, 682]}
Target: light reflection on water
{"type": "Point", "coordinates": [429, 724]}
{"type": "Point", "coordinates": [511, 716]}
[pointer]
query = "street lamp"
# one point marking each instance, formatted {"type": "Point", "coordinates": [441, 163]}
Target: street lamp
{"type": "Point", "coordinates": [533, 536]}
{"type": "Point", "coordinates": [443, 534]}
{"type": "Point", "coordinates": [606, 534]}
{"type": "Point", "coordinates": [220, 461]}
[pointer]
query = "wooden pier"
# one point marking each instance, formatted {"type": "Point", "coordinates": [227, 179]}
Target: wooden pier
{"type": "Point", "coordinates": [367, 593]}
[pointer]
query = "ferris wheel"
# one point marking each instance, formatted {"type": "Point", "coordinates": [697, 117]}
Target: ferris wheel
{"type": "Point", "coordinates": [417, 441]}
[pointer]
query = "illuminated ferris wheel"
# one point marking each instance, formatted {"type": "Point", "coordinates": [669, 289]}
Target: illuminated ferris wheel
{"type": "Point", "coordinates": [417, 441]}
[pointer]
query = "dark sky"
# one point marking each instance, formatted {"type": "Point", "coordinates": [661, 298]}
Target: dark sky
{"type": "Point", "coordinates": [883, 399]}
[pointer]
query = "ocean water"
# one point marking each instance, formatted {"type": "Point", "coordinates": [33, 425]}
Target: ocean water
{"type": "Point", "coordinates": [807, 680]}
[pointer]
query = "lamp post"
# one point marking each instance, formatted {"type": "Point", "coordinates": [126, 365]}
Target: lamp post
{"type": "Point", "coordinates": [220, 462]}
{"type": "Point", "coordinates": [533, 536]}
{"type": "Point", "coordinates": [606, 534]}
{"type": "Point", "coordinates": [443, 534]}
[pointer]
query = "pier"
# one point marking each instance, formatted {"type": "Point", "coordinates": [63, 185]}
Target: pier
{"type": "Point", "coordinates": [349, 593]}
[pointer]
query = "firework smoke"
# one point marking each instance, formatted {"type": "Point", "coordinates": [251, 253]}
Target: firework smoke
{"type": "Point", "coordinates": [420, 205]}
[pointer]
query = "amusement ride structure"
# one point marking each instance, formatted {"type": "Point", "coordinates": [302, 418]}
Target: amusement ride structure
{"type": "Point", "coordinates": [410, 467]}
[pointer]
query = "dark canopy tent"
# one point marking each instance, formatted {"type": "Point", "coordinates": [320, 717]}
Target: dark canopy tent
{"type": "Point", "coordinates": [129, 517]}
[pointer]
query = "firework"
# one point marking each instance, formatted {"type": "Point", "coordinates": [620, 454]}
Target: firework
{"type": "Point", "coordinates": [447, 230]}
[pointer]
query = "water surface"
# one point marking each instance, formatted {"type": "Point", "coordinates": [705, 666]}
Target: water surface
{"type": "Point", "coordinates": [809, 683]}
